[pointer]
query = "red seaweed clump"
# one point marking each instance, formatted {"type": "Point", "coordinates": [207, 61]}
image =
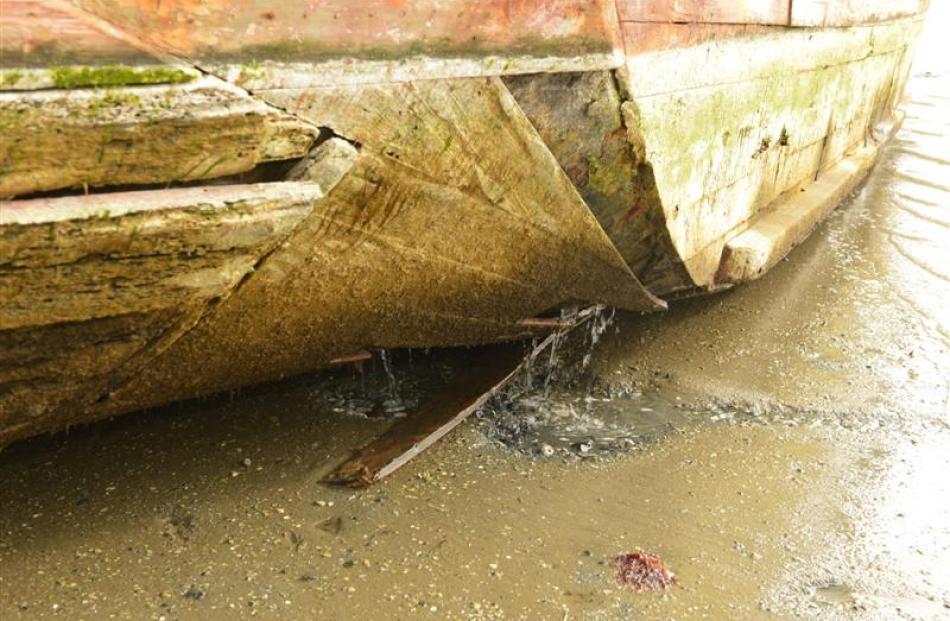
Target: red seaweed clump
{"type": "Point", "coordinates": [643, 572]}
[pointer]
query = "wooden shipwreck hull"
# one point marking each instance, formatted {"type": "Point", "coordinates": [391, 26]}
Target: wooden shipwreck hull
{"type": "Point", "coordinates": [203, 195]}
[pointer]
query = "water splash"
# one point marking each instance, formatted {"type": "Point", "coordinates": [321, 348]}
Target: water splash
{"type": "Point", "coordinates": [388, 368]}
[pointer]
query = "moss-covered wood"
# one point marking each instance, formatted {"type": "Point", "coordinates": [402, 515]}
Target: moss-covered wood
{"type": "Point", "coordinates": [71, 76]}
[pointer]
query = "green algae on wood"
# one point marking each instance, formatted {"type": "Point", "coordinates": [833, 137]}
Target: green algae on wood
{"type": "Point", "coordinates": [77, 76]}
{"type": "Point", "coordinates": [725, 141]}
{"type": "Point", "coordinates": [117, 75]}
{"type": "Point", "coordinates": [10, 78]}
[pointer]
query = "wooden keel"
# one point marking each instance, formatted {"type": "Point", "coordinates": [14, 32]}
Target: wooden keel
{"type": "Point", "coordinates": [789, 221]}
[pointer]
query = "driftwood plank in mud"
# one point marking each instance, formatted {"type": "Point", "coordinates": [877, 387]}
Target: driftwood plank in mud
{"type": "Point", "coordinates": [488, 370]}
{"type": "Point", "coordinates": [89, 137]}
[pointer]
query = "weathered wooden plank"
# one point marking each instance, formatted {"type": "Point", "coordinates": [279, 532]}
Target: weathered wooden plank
{"type": "Point", "coordinates": [727, 140]}
{"type": "Point", "coordinates": [454, 224]}
{"type": "Point", "coordinates": [487, 372]}
{"type": "Point", "coordinates": [92, 288]}
{"type": "Point", "coordinates": [147, 135]}
{"type": "Point", "coordinates": [78, 258]}
{"type": "Point", "coordinates": [468, 139]}
{"type": "Point", "coordinates": [644, 37]}
{"type": "Point", "coordinates": [711, 62]}
{"type": "Point", "coordinates": [825, 13]}
{"type": "Point", "coordinates": [49, 374]}
{"type": "Point", "coordinates": [706, 11]}
{"type": "Point", "coordinates": [789, 221]}
{"type": "Point", "coordinates": [358, 357]}
{"type": "Point", "coordinates": [578, 115]}
{"type": "Point", "coordinates": [93, 76]}
{"type": "Point", "coordinates": [808, 13]}
{"type": "Point", "coordinates": [52, 44]}
{"type": "Point", "coordinates": [300, 43]}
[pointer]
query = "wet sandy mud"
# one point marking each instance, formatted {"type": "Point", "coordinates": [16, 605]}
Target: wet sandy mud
{"type": "Point", "coordinates": [783, 448]}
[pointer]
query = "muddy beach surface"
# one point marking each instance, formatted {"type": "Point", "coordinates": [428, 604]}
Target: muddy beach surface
{"type": "Point", "coordinates": [784, 448]}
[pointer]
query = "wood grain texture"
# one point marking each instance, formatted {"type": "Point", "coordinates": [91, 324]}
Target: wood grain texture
{"type": "Point", "coordinates": [146, 135]}
{"type": "Point", "coordinates": [454, 225]}
{"type": "Point", "coordinates": [461, 154]}
{"type": "Point", "coordinates": [83, 257]}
